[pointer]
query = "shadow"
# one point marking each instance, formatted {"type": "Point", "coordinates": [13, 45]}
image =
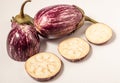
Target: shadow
{"type": "Point", "coordinates": [57, 41]}
{"type": "Point", "coordinates": [43, 44]}
{"type": "Point", "coordinates": [113, 38]}
{"type": "Point", "coordinates": [81, 31]}
{"type": "Point", "coordinates": [76, 33]}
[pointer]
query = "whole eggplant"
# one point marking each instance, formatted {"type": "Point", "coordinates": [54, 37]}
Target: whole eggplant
{"type": "Point", "coordinates": [23, 40]}
{"type": "Point", "coordinates": [59, 20]}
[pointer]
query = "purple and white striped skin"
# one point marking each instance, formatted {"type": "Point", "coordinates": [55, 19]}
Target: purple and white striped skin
{"type": "Point", "coordinates": [22, 42]}
{"type": "Point", "coordinates": [57, 21]}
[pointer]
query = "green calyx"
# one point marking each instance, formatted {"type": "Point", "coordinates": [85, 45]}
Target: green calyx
{"type": "Point", "coordinates": [26, 20]}
{"type": "Point", "coordinates": [23, 18]}
{"type": "Point", "coordinates": [90, 19]}
{"type": "Point", "coordinates": [86, 18]}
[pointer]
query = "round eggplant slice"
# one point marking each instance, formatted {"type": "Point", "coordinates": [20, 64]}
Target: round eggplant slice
{"type": "Point", "coordinates": [98, 33]}
{"type": "Point", "coordinates": [43, 66]}
{"type": "Point", "coordinates": [74, 49]}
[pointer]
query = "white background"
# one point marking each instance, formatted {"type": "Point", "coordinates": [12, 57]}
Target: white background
{"type": "Point", "coordinates": [101, 66]}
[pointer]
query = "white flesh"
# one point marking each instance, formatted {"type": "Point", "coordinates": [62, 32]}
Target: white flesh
{"type": "Point", "coordinates": [74, 49]}
{"type": "Point", "coordinates": [98, 33]}
{"type": "Point", "coordinates": [43, 65]}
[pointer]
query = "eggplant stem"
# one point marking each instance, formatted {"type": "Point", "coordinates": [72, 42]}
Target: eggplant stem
{"type": "Point", "coordinates": [13, 19]}
{"type": "Point", "coordinates": [90, 19]}
{"type": "Point", "coordinates": [22, 8]}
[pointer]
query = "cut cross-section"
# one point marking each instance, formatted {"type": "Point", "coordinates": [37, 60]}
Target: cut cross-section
{"type": "Point", "coordinates": [74, 49]}
{"type": "Point", "coordinates": [98, 33]}
{"type": "Point", "coordinates": [43, 66]}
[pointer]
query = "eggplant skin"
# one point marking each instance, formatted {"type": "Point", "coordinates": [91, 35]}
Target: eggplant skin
{"type": "Point", "coordinates": [56, 21]}
{"type": "Point", "coordinates": [22, 42]}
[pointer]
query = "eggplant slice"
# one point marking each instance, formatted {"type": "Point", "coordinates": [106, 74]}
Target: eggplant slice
{"type": "Point", "coordinates": [43, 66]}
{"type": "Point", "coordinates": [74, 49]}
{"type": "Point", "coordinates": [98, 33]}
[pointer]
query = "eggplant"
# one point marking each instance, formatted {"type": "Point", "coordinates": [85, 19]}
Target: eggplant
{"type": "Point", "coordinates": [59, 20]}
{"type": "Point", "coordinates": [23, 40]}
{"type": "Point", "coordinates": [43, 66]}
{"type": "Point", "coordinates": [74, 49]}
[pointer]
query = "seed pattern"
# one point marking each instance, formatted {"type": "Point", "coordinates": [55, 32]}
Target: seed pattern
{"type": "Point", "coordinates": [98, 33]}
{"type": "Point", "coordinates": [43, 65]}
{"type": "Point", "coordinates": [74, 48]}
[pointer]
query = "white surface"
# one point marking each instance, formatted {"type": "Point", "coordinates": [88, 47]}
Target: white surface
{"type": "Point", "coordinates": [103, 63]}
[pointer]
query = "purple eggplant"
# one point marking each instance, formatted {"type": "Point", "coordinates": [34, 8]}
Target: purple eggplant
{"type": "Point", "coordinates": [23, 40]}
{"type": "Point", "coordinates": [59, 20]}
